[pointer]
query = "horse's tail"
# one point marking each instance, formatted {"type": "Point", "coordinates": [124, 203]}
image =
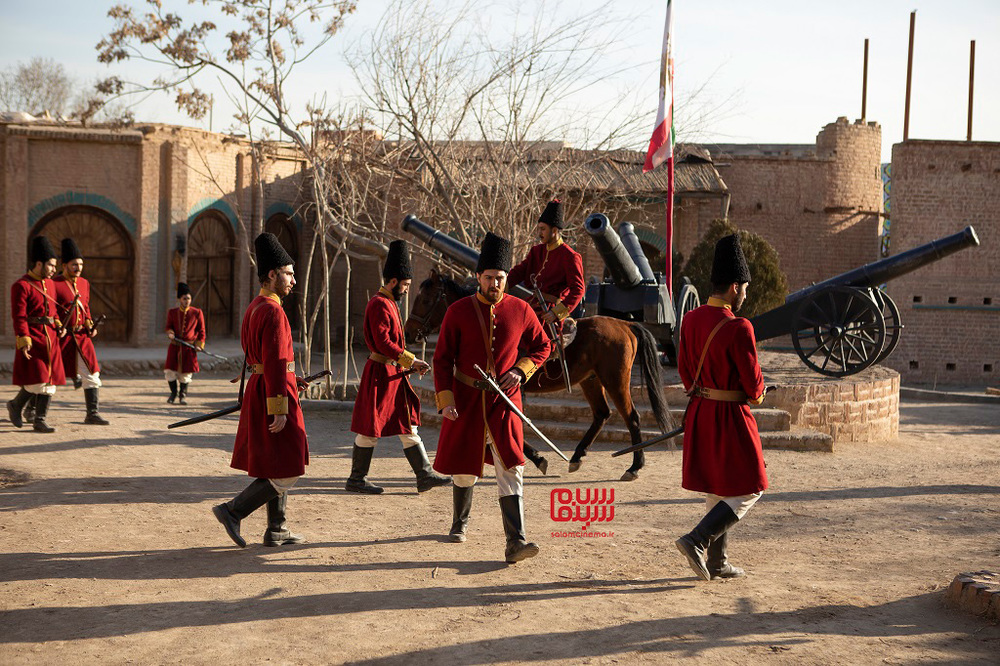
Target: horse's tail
{"type": "Point", "coordinates": [652, 377]}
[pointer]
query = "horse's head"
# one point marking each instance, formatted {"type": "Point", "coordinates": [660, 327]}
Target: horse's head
{"type": "Point", "coordinates": [427, 311]}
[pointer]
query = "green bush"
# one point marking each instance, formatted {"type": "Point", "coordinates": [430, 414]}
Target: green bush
{"type": "Point", "coordinates": [768, 286]}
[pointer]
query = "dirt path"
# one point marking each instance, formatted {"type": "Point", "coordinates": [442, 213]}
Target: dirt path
{"type": "Point", "coordinates": [109, 553]}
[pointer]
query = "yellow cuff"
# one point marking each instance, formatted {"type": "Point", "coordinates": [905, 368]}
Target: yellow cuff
{"type": "Point", "coordinates": [559, 308]}
{"type": "Point", "coordinates": [90, 323]}
{"type": "Point", "coordinates": [277, 406]}
{"type": "Point", "coordinates": [405, 359]}
{"type": "Point", "coordinates": [200, 344]}
{"type": "Point", "coordinates": [527, 366]}
{"type": "Point", "coordinates": [444, 399]}
{"type": "Point", "coordinates": [757, 401]}
{"type": "Point", "coordinates": [24, 341]}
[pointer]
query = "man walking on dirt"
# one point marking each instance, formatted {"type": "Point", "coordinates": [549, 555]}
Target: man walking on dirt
{"type": "Point", "coordinates": [271, 438]}
{"type": "Point", "coordinates": [486, 329]}
{"type": "Point", "coordinates": [717, 362]}
{"type": "Point", "coordinates": [386, 404]}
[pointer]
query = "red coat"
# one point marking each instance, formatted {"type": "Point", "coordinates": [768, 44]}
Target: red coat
{"type": "Point", "coordinates": [34, 297]}
{"type": "Point", "coordinates": [189, 326]}
{"type": "Point", "coordinates": [559, 272]}
{"type": "Point", "coordinates": [386, 403]}
{"type": "Point", "coordinates": [722, 451]}
{"type": "Point", "coordinates": [76, 317]}
{"type": "Point", "coordinates": [267, 339]}
{"type": "Point", "coordinates": [462, 448]}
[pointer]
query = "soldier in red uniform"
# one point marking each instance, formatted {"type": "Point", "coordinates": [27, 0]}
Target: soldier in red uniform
{"type": "Point", "coordinates": [37, 362]}
{"type": "Point", "coordinates": [722, 451]}
{"type": "Point", "coordinates": [552, 265]}
{"type": "Point", "coordinates": [557, 270]}
{"type": "Point", "coordinates": [386, 404]}
{"type": "Point", "coordinates": [186, 323]}
{"type": "Point", "coordinates": [271, 440]}
{"type": "Point", "coordinates": [78, 354]}
{"type": "Point", "coordinates": [486, 329]}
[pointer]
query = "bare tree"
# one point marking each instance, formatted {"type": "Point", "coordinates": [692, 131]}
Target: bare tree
{"type": "Point", "coordinates": [264, 41]}
{"type": "Point", "coordinates": [39, 85]}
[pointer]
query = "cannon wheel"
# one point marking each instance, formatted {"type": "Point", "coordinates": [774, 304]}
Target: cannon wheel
{"type": "Point", "coordinates": [890, 313]}
{"type": "Point", "coordinates": [839, 331]}
{"type": "Point", "coordinates": [687, 300]}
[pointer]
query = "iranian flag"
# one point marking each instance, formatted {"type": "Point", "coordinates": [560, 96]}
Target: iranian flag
{"type": "Point", "coordinates": [661, 144]}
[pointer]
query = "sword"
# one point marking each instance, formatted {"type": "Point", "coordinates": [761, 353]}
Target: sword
{"type": "Point", "coordinates": [649, 442]}
{"type": "Point", "coordinates": [201, 351]}
{"type": "Point", "coordinates": [556, 339]}
{"type": "Point", "coordinates": [235, 408]}
{"type": "Point", "coordinates": [510, 403]}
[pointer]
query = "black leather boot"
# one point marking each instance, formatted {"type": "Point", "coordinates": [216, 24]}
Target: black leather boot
{"type": "Point", "coordinates": [181, 393]}
{"type": "Point", "coordinates": [518, 548]}
{"type": "Point", "coordinates": [537, 459]}
{"type": "Point", "coordinates": [15, 406]}
{"type": "Point", "coordinates": [694, 544]}
{"type": "Point", "coordinates": [361, 461]}
{"type": "Point", "coordinates": [93, 418]}
{"type": "Point", "coordinates": [462, 503]}
{"type": "Point", "coordinates": [173, 391]}
{"type": "Point", "coordinates": [277, 534]}
{"type": "Point", "coordinates": [29, 410]}
{"type": "Point", "coordinates": [718, 564]}
{"type": "Point", "coordinates": [427, 478]}
{"type": "Point", "coordinates": [230, 513]}
{"type": "Point", "coordinates": [41, 409]}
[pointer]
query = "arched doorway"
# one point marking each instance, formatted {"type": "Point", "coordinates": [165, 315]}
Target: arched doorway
{"type": "Point", "coordinates": [283, 227]}
{"type": "Point", "coordinates": [210, 266]}
{"type": "Point", "coordinates": [108, 262]}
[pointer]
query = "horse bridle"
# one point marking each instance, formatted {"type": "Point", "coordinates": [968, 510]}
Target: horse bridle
{"type": "Point", "coordinates": [424, 329]}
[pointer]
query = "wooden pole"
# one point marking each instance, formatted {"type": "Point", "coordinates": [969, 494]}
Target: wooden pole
{"type": "Point", "coordinates": [972, 77]}
{"type": "Point", "coordinates": [864, 85]}
{"type": "Point", "coordinates": [909, 77]}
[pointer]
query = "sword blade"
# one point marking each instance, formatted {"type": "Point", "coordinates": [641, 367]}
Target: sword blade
{"type": "Point", "coordinates": [205, 417]}
{"type": "Point", "coordinates": [649, 442]}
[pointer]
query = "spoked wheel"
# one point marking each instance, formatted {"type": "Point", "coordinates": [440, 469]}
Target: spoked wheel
{"type": "Point", "coordinates": [890, 314]}
{"type": "Point", "coordinates": [839, 331]}
{"type": "Point", "coordinates": [687, 300]}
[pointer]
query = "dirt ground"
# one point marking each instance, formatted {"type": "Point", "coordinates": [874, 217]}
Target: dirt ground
{"type": "Point", "coordinates": [109, 553]}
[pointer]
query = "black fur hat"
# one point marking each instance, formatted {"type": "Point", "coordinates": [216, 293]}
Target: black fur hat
{"type": "Point", "coordinates": [70, 250]}
{"type": "Point", "coordinates": [270, 254]}
{"type": "Point", "coordinates": [553, 214]}
{"type": "Point", "coordinates": [397, 262]}
{"type": "Point", "coordinates": [183, 289]}
{"type": "Point", "coordinates": [495, 253]}
{"type": "Point", "coordinates": [41, 249]}
{"type": "Point", "coordinates": [729, 264]}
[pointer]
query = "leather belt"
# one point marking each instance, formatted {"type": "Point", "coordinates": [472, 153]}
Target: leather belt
{"type": "Point", "coordinates": [480, 384]}
{"type": "Point", "coordinates": [379, 358]}
{"type": "Point", "coordinates": [41, 321]}
{"type": "Point", "coordinates": [258, 368]}
{"type": "Point", "coordinates": [718, 394]}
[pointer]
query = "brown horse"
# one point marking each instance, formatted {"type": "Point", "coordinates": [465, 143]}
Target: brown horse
{"type": "Point", "coordinates": [599, 360]}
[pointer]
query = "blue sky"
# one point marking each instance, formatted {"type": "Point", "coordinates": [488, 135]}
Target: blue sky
{"type": "Point", "coordinates": [779, 69]}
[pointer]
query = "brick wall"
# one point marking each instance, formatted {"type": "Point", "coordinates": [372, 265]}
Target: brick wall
{"type": "Point", "coordinates": [951, 308]}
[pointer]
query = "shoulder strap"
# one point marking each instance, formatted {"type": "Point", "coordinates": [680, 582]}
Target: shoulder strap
{"type": "Point", "coordinates": [486, 335]}
{"type": "Point", "coordinates": [704, 351]}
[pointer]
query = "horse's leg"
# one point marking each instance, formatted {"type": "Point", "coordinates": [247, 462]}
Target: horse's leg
{"type": "Point", "coordinates": [594, 393]}
{"type": "Point", "coordinates": [536, 458]}
{"type": "Point", "coordinates": [617, 381]}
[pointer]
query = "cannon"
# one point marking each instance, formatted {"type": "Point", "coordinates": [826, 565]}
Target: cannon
{"type": "Point", "coordinates": [634, 292]}
{"type": "Point", "coordinates": [457, 252]}
{"type": "Point", "coordinates": [847, 323]}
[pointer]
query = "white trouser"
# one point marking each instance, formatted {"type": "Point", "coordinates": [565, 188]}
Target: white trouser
{"type": "Point", "coordinates": [740, 504]}
{"type": "Point", "coordinates": [284, 485]}
{"type": "Point", "coordinates": [182, 377]}
{"type": "Point", "coordinates": [40, 389]}
{"type": "Point", "coordinates": [366, 442]}
{"type": "Point", "coordinates": [509, 481]}
{"type": "Point", "coordinates": [89, 380]}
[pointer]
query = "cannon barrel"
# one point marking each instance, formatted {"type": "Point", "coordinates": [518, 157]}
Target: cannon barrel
{"type": "Point", "coordinates": [624, 273]}
{"type": "Point", "coordinates": [880, 272]}
{"type": "Point", "coordinates": [442, 242]}
{"type": "Point", "coordinates": [626, 230]}
{"type": "Point", "coordinates": [458, 252]}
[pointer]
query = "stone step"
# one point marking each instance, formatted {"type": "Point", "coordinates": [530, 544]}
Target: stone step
{"type": "Point", "coordinates": [794, 439]}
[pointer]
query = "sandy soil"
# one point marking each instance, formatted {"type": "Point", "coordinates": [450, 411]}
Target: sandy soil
{"type": "Point", "coordinates": [109, 553]}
